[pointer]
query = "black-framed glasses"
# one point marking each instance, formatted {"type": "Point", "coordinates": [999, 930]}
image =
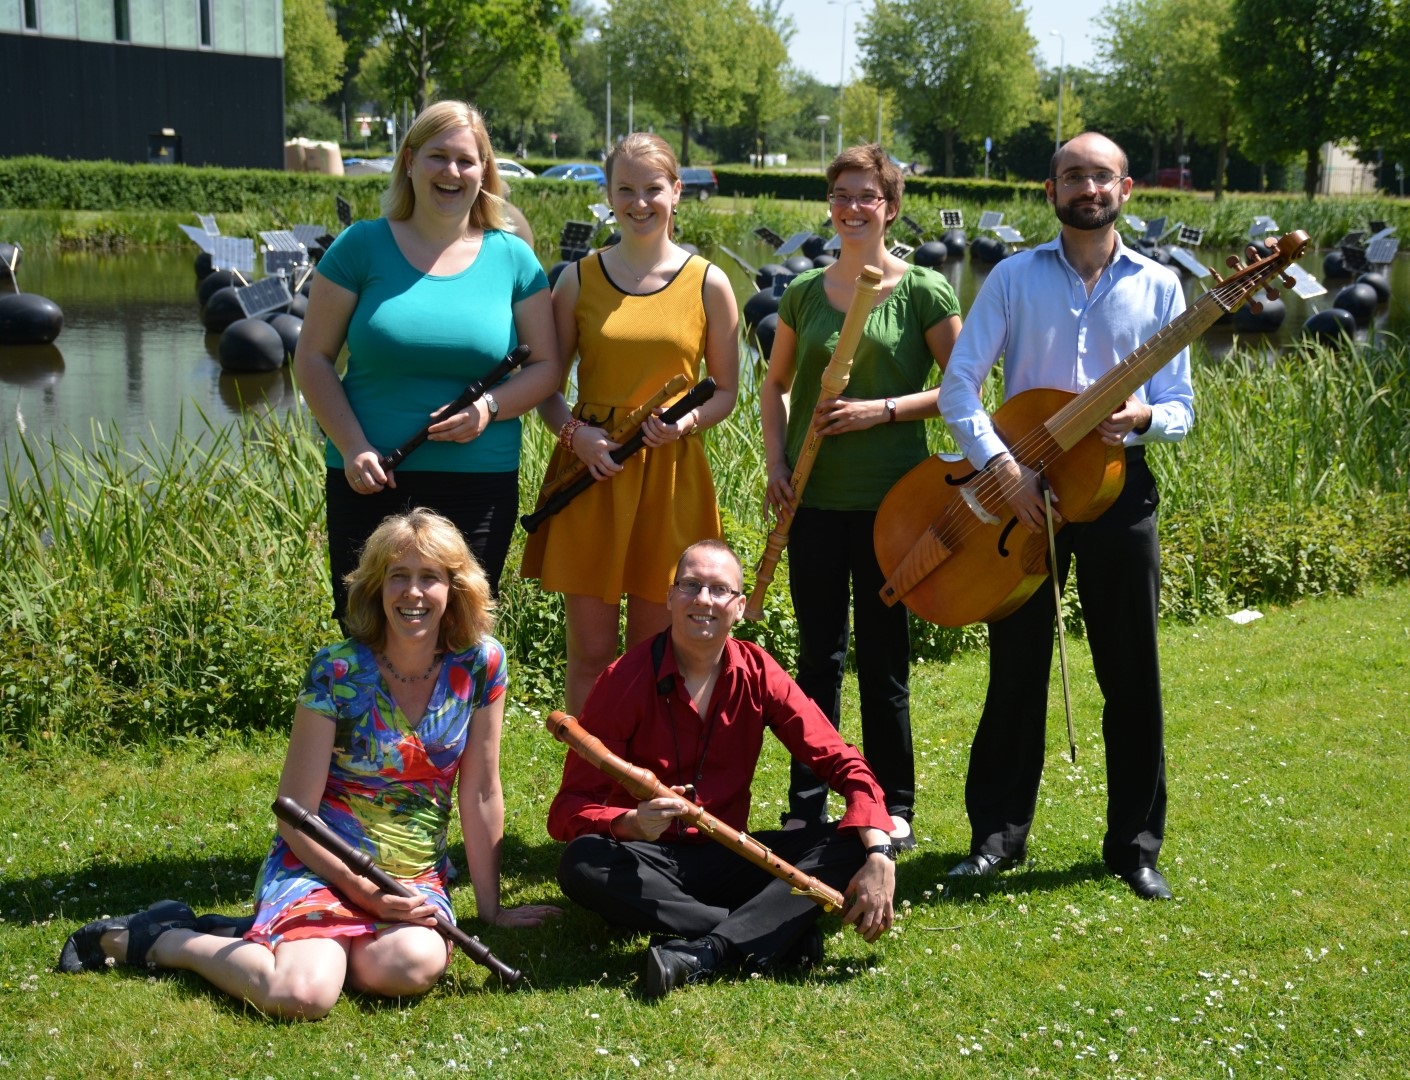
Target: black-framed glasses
{"type": "Point", "coordinates": [691, 587]}
{"type": "Point", "coordinates": [866, 200]}
{"type": "Point", "coordinates": [1103, 178]}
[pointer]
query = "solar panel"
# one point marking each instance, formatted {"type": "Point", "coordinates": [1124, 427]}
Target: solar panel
{"type": "Point", "coordinates": [575, 240]}
{"type": "Point", "coordinates": [915, 226]}
{"type": "Point", "coordinates": [1191, 265]}
{"type": "Point", "coordinates": [1188, 235]}
{"type": "Point", "coordinates": [266, 294]}
{"type": "Point", "coordinates": [1008, 234]}
{"type": "Point", "coordinates": [345, 217]}
{"type": "Point", "coordinates": [200, 236]}
{"type": "Point", "coordinates": [901, 251]}
{"type": "Point", "coordinates": [309, 235]}
{"type": "Point", "coordinates": [283, 262]}
{"type": "Point", "coordinates": [952, 219]}
{"type": "Point", "coordinates": [208, 224]}
{"type": "Point", "coordinates": [793, 243]}
{"type": "Point", "coordinates": [602, 212]}
{"type": "Point", "coordinates": [1155, 229]}
{"type": "Point", "coordinates": [1136, 223]}
{"type": "Point", "coordinates": [280, 240]}
{"type": "Point", "coordinates": [233, 253]}
{"type": "Point", "coordinates": [991, 219]}
{"type": "Point", "coordinates": [1304, 284]}
{"type": "Point", "coordinates": [834, 243]}
{"type": "Point", "coordinates": [1261, 227]}
{"type": "Point", "coordinates": [768, 236]}
{"type": "Point", "coordinates": [1355, 238]}
{"type": "Point", "coordinates": [781, 282]}
{"type": "Point", "coordinates": [1378, 227]}
{"type": "Point", "coordinates": [1354, 256]}
{"type": "Point", "coordinates": [1382, 251]}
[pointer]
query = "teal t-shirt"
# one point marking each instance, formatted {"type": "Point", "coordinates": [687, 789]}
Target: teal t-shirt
{"type": "Point", "coordinates": [415, 340]}
{"type": "Point", "coordinates": [855, 470]}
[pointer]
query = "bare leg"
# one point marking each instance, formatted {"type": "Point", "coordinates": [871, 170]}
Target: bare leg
{"type": "Point", "coordinates": [299, 980]}
{"type": "Point", "coordinates": [645, 619]}
{"type": "Point", "coordinates": [592, 645]}
{"type": "Point", "coordinates": [401, 961]}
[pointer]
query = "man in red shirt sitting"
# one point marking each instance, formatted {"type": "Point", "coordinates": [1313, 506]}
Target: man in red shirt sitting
{"type": "Point", "coordinates": [691, 705]}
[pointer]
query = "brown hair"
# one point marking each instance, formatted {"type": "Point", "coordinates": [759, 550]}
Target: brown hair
{"type": "Point", "coordinates": [399, 200]}
{"type": "Point", "coordinates": [469, 609]}
{"type": "Point", "coordinates": [873, 159]}
{"type": "Point", "coordinates": [646, 147]}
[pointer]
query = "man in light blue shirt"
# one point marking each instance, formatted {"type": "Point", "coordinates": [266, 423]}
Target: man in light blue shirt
{"type": "Point", "coordinates": [1061, 315]}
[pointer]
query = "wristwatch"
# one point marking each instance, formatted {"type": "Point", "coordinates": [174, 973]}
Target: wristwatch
{"type": "Point", "coordinates": [890, 410]}
{"type": "Point", "coordinates": [493, 405]}
{"type": "Point", "coordinates": [881, 849]}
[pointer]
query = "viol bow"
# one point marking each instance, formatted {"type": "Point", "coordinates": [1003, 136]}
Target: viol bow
{"type": "Point", "coordinates": [643, 784]}
{"type": "Point", "coordinates": [945, 538]}
{"type": "Point", "coordinates": [834, 382]}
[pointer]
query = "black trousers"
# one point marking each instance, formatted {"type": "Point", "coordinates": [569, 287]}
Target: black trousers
{"type": "Point", "coordinates": [483, 506]}
{"type": "Point", "coordinates": [690, 890]}
{"type": "Point", "coordinates": [833, 573]}
{"type": "Point", "coordinates": [1118, 582]}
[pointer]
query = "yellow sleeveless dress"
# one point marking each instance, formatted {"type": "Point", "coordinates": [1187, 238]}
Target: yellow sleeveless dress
{"type": "Point", "coordinates": [624, 535]}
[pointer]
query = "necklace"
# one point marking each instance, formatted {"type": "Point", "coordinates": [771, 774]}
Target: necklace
{"type": "Point", "coordinates": [645, 273]}
{"type": "Point", "coordinates": [410, 679]}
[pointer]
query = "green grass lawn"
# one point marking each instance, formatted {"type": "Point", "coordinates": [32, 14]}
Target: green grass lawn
{"type": "Point", "coordinates": [1285, 953]}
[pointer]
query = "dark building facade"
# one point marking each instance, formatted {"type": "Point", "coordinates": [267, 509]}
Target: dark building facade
{"type": "Point", "coordinates": [196, 82]}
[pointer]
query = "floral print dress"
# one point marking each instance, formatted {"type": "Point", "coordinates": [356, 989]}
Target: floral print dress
{"type": "Point", "coordinates": [389, 790]}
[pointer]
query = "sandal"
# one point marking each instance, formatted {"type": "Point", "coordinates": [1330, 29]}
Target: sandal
{"type": "Point", "coordinates": [83, 951]}
{"type": "Point", "coordinates": [144, 928]}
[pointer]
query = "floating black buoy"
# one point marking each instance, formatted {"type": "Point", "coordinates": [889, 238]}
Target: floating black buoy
{"type": "Point", "coordinates": [299, 305]}
{"type": "Point", "coordinates": [1248, 321]}
{"type": "Point", "coordinates": [251, 345]}
{"type": "Point", "coordinates": [1334, 266]}
{"type": "Point", "coordinates": [9, 253]}
{"type": "Point", "coordinates": [29, 319]}
{"type": "Point", "coordinates": [764, 333]}
{"type": "Point", "coordinates": [203, 266]}
{"type": "Point", "coordinates": [1331, 325]}
{"type": "Point", "coordinates": [987, 250]}
{"type": "Point", "coordinates": [813, 246]}
{"type": "Point", "coordinates": [556, 269]}
{"type": "Point", "coordinates": [222, 309]}
{"type": "Point", "coordinates": [798, 264]}
{"type": "Point", "coordinates": [1377, 281]}
{"type": "Point", "coordinates": [762, 303]}
{"type": "Point", "coordinates": [213, 282]}
{"type": "Point", "coordinates": [931, 253]}
{"type": "Point", "coordinates": [1359, 299]}
{"type": "Point", "coordinates": [764, 276]}
{"type": "Point", "coordinates": [1261, 249]}
{"type": "Point", "coordinates": [956, 241]}
{"type": "Point", "coordinates": [287, 327]}
{"type": "Point", "coordinates": [823, 260]}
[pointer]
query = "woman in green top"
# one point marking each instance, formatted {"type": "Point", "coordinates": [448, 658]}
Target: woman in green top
{"type": "Point", "coordinates": [875, 434]}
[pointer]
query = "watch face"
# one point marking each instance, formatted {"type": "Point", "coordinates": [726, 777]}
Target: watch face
{"type": "Point", "coordinates": [493, 404]}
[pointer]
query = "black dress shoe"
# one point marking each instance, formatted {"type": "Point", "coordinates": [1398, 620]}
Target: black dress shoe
{"type": "Point", "coordinates": [1148, 883]}
{"type": "Point", "coordinates": [982, 864]}
{"type": "Point", "coordinates": [676, 963]}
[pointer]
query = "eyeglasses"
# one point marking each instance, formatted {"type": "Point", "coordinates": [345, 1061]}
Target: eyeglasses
{"type": "Point", "coordinates": [866, 200]}
{"type": "Point", "coordinates": [1102, 178]}
{"type": "Point", "coordinates": [691, 587]}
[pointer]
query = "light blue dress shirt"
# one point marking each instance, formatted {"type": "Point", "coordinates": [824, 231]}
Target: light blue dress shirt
{"type": "Point", "coordinates": [1034, 311]}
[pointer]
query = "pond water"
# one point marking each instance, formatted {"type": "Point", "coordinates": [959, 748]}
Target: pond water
{"type": "Point", "coordinates": [133, 355]}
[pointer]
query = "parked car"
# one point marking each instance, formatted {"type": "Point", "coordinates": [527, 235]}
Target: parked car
{"type": "Point", "coordinates": [699, 183]}
{"type": "Point", "coordinates": [1173, 177]}
{"type": "Point", "coordinates": [576, 170]}
{"type": "Point", "coordinates": [512, 170]}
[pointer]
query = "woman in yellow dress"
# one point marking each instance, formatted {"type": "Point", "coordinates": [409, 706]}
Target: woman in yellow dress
{"type": "Point", "coordinates": [636, 314]}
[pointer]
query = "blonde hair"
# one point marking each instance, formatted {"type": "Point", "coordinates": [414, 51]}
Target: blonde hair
{"type": "Point", "coordinates": [873, 159]}
{"type": "Point", "coordinates": [645, 147]}
{"type": "Point", "coordinates": [469, 615]}
{"type": "Point", "coordinates": [399, 200]}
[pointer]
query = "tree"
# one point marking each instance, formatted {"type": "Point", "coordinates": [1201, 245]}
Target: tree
{"type": "Point", "coordinates": [457, 44]}
{"type": "Point", "coordinates": [313, 51]}
{"type": "Point", "coordinates": [1134, 50]}
{"type": "Point", "coordinates": [1204, 90]}
{"type": "Point", "coordinates": [961, 69]}
{"type": "Point", "coordinates": [700, 53]}
{"type": "Point", "coordinates": [1302, 73]}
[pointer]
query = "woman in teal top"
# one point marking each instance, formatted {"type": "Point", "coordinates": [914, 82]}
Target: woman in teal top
{"type": "Point", "coordinates": [875, 434]}
{"type": "Point", "coordinates": [428, 298]}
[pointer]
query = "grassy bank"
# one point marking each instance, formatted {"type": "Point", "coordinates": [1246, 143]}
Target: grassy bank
{"type": "Point", "coordinates": [1287, 952]}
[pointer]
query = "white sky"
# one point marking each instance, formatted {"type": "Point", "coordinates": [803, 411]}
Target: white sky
{"type": "Point", "coordinates": [817, 44]}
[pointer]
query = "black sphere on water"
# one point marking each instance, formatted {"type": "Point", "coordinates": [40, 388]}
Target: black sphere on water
{"type": "Point", "coordinates": [1377, 281]}
{"type": "Point", "coordinates": [1358, 299]}
{"type": "Point", "coordinates": [762, 303]}
{"type": "Point", "coordinates": [931, 253]}
{"type": "Point", "coordinates": [222, 309]}
{"type": "Point", "coordinates": [764, 276]}
{"type": "Point", "coordinates": [1248, 321]}
{"type": "Point", "coordinates": [764, 333]}
{"type": "Point", "coordinates": [287, 327]}
{"type": "Point", "coordinates": [956, 241]}
{"type": "Point", "coordinates": [29, 319]}
{"type": "Point", "coordinates": [1332, 326]}
{"type": "Point", "coordinates": [211, 283]}
{"type": "Point", "coordinates": [299, 305]}
{"type": "Point", "coordinates": [251, 345]}
{"type": "Point", "coordinates": [813, 246]}
{"type": "Point", "coordinates": [824, 260]}
{"type": "Point", "coordinates": [988, 250]}
{"type": "Point", "coordinates": [556, 269]}
{"type": "Point", "coordinates": [1334, 266]}
{"type": "Point", "coordinates": [9, 253]}
{"type": "Point", "coordinates": [203, 265]}
{"type": "Point", "coordinates": [798, 264]}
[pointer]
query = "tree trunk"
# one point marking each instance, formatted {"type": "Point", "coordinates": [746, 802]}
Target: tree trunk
{"type": "Point", "coordinates": [1221, 160]}
{"type": "Point", "coordinates": [949, 152]}
{"type": "Point", "coordinates": [685, 139]}
{"type": "Point", "coordinates": [1312, 178]}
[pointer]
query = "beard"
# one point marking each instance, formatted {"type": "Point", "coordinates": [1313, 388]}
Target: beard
{"type": "Point", "coordinates": [1096, 214]}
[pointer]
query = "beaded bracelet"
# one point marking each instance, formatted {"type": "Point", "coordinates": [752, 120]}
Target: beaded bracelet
{"type": "Point", "coordinates": [565, 433]}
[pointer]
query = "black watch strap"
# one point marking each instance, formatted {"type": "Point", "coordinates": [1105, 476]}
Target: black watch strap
{"type": "Point", "coordinates": [881, 849]}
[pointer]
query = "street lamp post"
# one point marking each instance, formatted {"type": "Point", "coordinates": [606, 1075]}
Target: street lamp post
{"type": "Point", "coordinates": [631, 87]}
{"type": "Point", "coordinates": [822, 140]}
{"type": "Point", "coordinates": [1062, 54]}
{"type": "Point", "coordinates": [842, 71]}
